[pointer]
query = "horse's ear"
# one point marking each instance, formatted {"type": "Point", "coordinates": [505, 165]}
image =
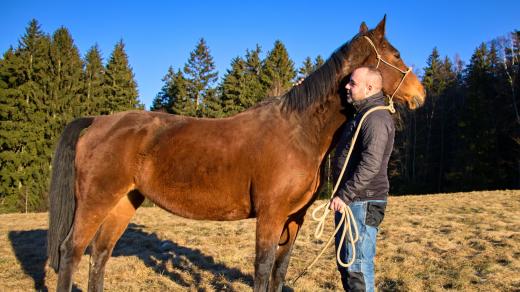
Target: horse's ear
{"type": "Point", "coordinates": [380, 29]}
{"type": "Point", "coordinates": [363, 27]}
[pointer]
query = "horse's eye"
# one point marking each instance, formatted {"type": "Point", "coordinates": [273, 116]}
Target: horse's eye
{"type": "Point", "coordinates": [397, 55]}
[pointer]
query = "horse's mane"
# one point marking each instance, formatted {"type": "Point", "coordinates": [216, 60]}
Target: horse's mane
{"type": "Point", "coordinates": [319, 84]}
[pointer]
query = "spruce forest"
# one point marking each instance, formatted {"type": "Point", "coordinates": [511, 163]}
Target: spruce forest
{"type": "Point", "coordinates": [466, 136]}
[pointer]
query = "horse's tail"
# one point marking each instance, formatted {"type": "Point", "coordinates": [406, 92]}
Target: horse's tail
{"type": "Point", "coordinates": [61, 195]}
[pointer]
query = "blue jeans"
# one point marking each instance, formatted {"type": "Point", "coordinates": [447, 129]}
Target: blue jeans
{"type": "Point", "coordinates": [360, 275]}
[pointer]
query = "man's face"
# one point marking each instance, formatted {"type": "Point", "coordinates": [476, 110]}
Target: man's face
{"type": "Point", "coordinates": [356, 87]}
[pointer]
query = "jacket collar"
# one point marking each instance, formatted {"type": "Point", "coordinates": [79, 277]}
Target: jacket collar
{"type": "Point", "coordinates": [371, 101]}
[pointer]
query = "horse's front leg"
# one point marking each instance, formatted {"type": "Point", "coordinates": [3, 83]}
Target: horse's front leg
{"type": "Point", "coordinates": [268, 230]}
{"type": "Point", "coordinates": [283, 254]}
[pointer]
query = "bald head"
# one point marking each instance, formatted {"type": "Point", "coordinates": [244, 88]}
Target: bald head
{"type": "Point", "coordinates": [364, 82]}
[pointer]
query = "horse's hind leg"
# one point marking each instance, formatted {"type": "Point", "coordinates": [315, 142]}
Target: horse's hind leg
{"type": "Point", "coordinates": [93, 204]}
{"type": "Point", "coordinates": [86, 222]}
{"type": "Point", "coordinates": [107, 236]}
{"type": "Point", "coordinates": [283, 254]}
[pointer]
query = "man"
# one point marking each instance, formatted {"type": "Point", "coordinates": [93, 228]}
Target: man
{"type": "Point", "coordinates": [365, 185]}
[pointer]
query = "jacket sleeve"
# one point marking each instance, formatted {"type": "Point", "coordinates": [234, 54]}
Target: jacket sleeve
{"type": "Point", "coordinates": [374, 135]}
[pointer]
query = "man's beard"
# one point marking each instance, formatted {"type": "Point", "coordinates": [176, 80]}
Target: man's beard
{"type": "Point", "coordinates": [349, 97]}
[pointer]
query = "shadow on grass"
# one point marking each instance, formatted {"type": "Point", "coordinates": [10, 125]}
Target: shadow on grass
{"type": "Point", "coordinates": [30, 249]}
{"type": "Point", "coordinates": [158, 254]}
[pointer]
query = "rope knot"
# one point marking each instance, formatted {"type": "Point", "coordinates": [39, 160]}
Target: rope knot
{"type": "Point", "coordinates": [391, 107]}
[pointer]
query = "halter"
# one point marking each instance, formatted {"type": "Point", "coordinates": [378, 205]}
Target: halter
{"type": "Point", "coordinates": [379, 60]}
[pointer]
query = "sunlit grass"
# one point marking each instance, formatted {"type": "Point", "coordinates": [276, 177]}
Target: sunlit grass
{"type": "Point", "coordinates": [459, 242]}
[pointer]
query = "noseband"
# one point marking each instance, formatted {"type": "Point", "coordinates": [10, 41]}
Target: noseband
{"type": "Point", "coordinates": [380, 59]}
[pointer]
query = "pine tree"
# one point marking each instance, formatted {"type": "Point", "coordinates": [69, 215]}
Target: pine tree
{"type": "Point", "coordinates": [233, 88]}
{"type": "Point", "coordinates": [431, 78]}
{"type": "Point", "coordinates": [173, 97]}
{"type": "Point", "coordinates": [241, 87]}
{"type": "Point", "coordinates": [309, 66]}
{"type": "Point", "coordinates": [445, 126]}
{"type": "Point", "coordinates": [13, 123]}
{"type": "Point", "coordinates": [93, 91]}
{"type": "Point", "coordinates": [65, 86]}
{"type": "Point", "coordinates": [120, 84]}
{"type": "Point", "coordinates": [212, 107]}
{"type": "Point", "coordinates": [254, 91]}
{"type": "Point", "coordinates": [24, 155]}
{"type": "Point", "coordinates": [475, 125]}
{"type": "Point", "coordinates": [306, 69]}
{"type": "Point", "coordinates": [278, 70]}
{"type": "Point", "coordinates": [201, 75]}
{"type": "Point", "coordinates": [164, 99]}
{"type": "Point", "coordinates": [434, 84]}
{"type": "Point", "coordinates": [181, 103]}
{"type": "Point", "coordinates": [318, 62]}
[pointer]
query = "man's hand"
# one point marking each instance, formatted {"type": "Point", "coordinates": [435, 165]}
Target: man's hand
{"type": "Point", "coordinates": [337, 204]}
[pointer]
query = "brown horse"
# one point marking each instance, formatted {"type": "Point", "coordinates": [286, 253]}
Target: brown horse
{"type": "Point", "coordinates": [263, 163]}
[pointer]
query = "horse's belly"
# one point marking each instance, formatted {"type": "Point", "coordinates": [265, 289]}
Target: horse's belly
{"type": "Point", "coordinates": [200, 201]}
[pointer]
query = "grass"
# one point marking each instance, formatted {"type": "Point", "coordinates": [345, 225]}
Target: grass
{"type": "Point", "coordinates": [444, 242]}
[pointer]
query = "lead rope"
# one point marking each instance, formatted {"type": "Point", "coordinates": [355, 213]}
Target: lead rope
{"type": "Point", "coordinates": [347, 217]}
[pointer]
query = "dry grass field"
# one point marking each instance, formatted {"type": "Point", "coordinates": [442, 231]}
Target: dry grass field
{"type": "Point", "coordinates": [457, 242]}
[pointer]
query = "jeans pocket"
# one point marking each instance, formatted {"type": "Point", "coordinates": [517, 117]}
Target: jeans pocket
{"type": "Point", "coordinates": [375, 213]}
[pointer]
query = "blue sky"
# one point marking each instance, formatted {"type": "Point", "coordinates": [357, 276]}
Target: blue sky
{"type": "Point", "coordinates": [163, 33]}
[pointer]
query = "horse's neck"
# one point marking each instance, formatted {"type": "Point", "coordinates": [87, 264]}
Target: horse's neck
{"type": "Point", "coordinates": [320, 122]}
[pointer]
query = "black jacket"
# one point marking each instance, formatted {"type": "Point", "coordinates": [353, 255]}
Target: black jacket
{"type": "Point", "coordinates": [366, 175]}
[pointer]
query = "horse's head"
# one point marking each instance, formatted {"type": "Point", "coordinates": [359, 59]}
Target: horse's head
{"type": "Point", "coordinates": [370, 47]}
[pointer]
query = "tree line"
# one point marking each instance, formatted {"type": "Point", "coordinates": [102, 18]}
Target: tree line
{"type": "Point", "coordinates": [465, 137]}
{"type": "Point", "coordinates": [44, 84]}
{"type": "Point", "coordinates": [194, 90]}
